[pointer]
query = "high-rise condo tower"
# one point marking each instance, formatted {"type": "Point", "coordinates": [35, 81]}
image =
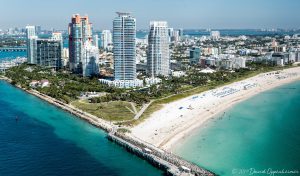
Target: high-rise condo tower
{"type": "Point", "coordinates": [124, 34]}
{"type": "Point", "coordinates": [158, 57]}
{"type": "Point", "coordinates": [80, 32]}
{"type": "Point", "coordinates": [31, 44]}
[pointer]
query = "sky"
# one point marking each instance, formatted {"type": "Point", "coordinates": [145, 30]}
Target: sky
{"type": "Point", "coordinates": [187, 14]}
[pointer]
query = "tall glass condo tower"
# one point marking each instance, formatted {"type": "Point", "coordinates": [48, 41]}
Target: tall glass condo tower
{"type": "Point", "coordinates": [124, 34]}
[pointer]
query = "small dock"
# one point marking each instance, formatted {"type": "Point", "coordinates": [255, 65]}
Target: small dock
{"type": "Point", "coordinates": [171, 164]}
{"type": "Point", "coordinates": [13, 49]}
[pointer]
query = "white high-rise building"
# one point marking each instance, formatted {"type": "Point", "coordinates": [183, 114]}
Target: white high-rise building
{"type": "Point", "coordinates": [170, 32]}
{"type": "Point", "coordinates": [124, 38]}
{"type": "Point", "coordinates": [158, 57]}
{"type": "Point", "coordinates": [31, 44]}
{"type": "Point", "coordinates": [65, 57]}
{"type": "Point", "coordinates": [30, 31]}
{"type": "Point", "coordinates": [90, 60]}
{"type": "Point", "coordinates": [175, 37]}
{"type": "Point", "coordinates": [58, 36]}
{"type": "Point", "coordinates": [124, 49]}
{"type": "Point", "coordinates": [215, 35]}
{"type": "Point", "coordinates": [95, 41]}
{"type": "Point", "coordinates": [106, 38]}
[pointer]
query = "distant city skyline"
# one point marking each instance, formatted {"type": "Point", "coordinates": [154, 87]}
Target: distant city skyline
{"type": "Point", "coordinates": [188, 14]}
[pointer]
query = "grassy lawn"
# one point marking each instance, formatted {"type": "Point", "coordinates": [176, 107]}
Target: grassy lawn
{"type": "Point", "coordinates": [152, 108]}
{"type": "Point", "coordinates": [111, 111]}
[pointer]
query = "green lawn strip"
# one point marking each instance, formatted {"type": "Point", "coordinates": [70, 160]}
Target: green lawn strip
{"type": "Point", "coordinates": [111, 111]}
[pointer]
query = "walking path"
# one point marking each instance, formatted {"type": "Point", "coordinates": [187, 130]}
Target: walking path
{"type": "Point", "coordinates": [138, 115]}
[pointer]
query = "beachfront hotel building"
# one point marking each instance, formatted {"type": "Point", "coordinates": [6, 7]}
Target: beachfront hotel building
{"type": "Point", "coordinates": [31, 44]}
{"type": "Point", "coordinates": [158, 57]}
{"type": "Point", "coordinates": [80, 32]}
{"type": "Point", "coordinates": [124, 36]}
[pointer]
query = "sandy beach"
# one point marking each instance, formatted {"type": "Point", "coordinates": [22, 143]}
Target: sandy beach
{"type": "Point", "coordinates": [167, 126]}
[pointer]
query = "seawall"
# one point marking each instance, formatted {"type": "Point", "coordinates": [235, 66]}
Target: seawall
{"type": "Point", "coordinates": [81, 114]}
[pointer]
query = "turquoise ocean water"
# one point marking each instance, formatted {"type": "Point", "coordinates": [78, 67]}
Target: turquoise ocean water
{"type": "Point", "coordinates": [50, 142]}
{"type": "Point", "coordinates": [259, 134]}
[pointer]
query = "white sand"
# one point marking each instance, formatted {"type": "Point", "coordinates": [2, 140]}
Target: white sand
{"type": "Point", "coordinates": [165, 127]}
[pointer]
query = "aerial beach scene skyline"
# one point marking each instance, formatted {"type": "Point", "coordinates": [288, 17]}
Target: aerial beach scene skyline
{"type": "Point", "coordinates": [181, 88]}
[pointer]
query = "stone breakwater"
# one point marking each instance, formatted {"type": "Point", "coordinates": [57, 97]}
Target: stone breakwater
{"type": "Point", "coordinates": [77, 112]}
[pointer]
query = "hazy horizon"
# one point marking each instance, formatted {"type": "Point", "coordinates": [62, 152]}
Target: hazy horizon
{"type": "Point", "coordinates": [187, 14]}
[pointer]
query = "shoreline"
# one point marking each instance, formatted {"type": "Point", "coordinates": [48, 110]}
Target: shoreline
{"type": "Point", "coordinates": [93, 120]}
{"type": "Point", "coordinates": [177, 120]}
{"type": "Point", "coordinates": [165, 161]}
{"type": "Point", "coordinates": [189, 131]}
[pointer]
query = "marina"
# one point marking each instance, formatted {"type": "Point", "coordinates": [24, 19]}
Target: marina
{"type": "Point", "coordinates": [6, 64]}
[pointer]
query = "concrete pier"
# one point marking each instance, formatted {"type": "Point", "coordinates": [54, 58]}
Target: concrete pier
{"type": "Point", "coordinates": [171, 164]}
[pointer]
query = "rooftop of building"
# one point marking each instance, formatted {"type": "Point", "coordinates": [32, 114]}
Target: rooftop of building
{"type": "Point", "coordinates": [123, 14]}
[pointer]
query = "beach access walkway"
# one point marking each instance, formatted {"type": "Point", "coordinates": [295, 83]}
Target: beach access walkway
{"type": "Point", "coordinates": [144, 108]}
